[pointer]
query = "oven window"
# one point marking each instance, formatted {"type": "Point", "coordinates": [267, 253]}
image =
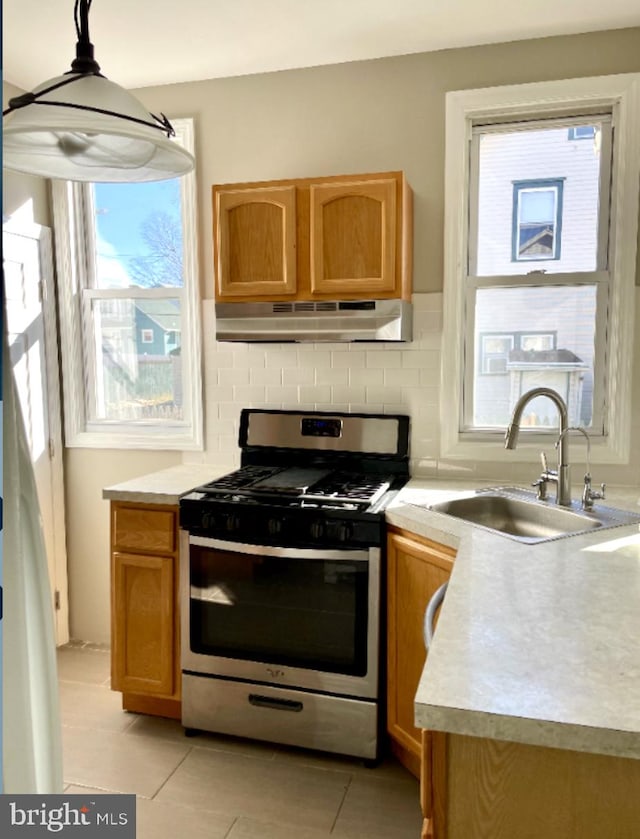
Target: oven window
{"type": "Point", "coordinates": [308, 613]}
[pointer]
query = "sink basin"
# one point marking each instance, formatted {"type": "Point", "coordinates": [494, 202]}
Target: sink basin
{"type": "Point", "coordinates": [518, 514]}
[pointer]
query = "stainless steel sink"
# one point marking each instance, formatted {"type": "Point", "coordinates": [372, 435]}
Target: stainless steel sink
{"type": "Point", "coordinates": [518, 514]}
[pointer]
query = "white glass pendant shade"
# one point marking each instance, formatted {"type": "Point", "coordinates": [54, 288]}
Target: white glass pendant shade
{"type": "Point", "coordinates": [69, 142]}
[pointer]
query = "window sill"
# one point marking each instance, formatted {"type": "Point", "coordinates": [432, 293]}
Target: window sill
{"type": "Point", "coordinates": [489, 446]}
{"type": "Point", "coordinates": [181, 440]}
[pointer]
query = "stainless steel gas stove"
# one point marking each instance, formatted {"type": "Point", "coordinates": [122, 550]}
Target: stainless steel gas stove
{"type": "Point", "coordinates": [281, 581]}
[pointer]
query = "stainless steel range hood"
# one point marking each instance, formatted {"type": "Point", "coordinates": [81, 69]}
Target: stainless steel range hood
{"type": "Point", "coordinates": [308, 320]}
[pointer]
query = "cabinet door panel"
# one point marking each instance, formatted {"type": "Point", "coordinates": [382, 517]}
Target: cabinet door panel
{"type": "Point", "coordinates": [143, 624]}
{"type": "Point", "coordinates": [255, 241]}
{"type": "Point", "coordinates": [415, 571]}
{"type": "Point", "coordinates": [353, 237]}
{"type": "Point", "coordinates": [141, 529]}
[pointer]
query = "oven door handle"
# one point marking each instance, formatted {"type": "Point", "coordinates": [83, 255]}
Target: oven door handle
{"type": "Point", "coordinates": [282, 552]}
{"type": "Point", "coordinates": [275, 703]}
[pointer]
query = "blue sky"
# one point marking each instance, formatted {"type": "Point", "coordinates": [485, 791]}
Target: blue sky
{"type": "Point", "coordinates": [120, 211]}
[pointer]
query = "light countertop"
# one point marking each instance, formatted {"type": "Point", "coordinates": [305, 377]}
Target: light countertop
{"type": "Point", "coordinates": [538, 643]}
{"type": "Point", "coordinates": [167, 486]}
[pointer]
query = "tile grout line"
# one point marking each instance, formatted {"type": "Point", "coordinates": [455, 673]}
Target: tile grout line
{"type": "Point", "coordinates": [341, 805]}
{"type": "Point", "coordinates": [171, 774]}
{"type": "Point", "coordinates": [231, 826]}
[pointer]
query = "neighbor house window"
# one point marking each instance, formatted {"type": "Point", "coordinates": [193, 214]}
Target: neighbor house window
{"type": "Point", "coordinates": [496, 350]}
{"type": "Point", "coordinates": [540, 250]}
{"type": "Point", "coordinates": [129, 311]}
{"type": "Point", "coordinates": [537, 220]}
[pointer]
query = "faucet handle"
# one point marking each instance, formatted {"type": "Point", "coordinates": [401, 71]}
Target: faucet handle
{"type": "Point", "coordinates": [590, 495]}
{"type": "Point", "coordinates": [543, 461]}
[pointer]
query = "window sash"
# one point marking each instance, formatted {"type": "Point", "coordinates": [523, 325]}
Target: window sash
{"type": "Point", "coordinates": [94, 423]}
{"type": "Point", "coordinates": [476, 129]}
{"type": "Point", "coordinates": [601, 282]}
{"type": "Point", "coordinates": [75, 253]}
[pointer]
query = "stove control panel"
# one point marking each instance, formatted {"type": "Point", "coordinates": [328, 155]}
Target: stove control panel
{"type": "Point", "coordinates": [302, 528]}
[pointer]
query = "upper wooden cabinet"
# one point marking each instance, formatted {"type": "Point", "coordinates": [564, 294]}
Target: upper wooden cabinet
{"type": "Point", "coordinates": [256, 241]}
{"type": "Point", "coordinates": [318, 238]}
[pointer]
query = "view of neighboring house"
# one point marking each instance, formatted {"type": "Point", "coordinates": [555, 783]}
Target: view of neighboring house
{"type": "Point", "coordinates": [157, 325]}
{"type": "Point", "coordinates": [140, 376]}
{"type": "Point", "coordinates": [537, 212]}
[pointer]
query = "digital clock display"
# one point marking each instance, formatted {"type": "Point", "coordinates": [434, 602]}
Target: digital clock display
{"type": "Point", "coordinates": [321, 427]}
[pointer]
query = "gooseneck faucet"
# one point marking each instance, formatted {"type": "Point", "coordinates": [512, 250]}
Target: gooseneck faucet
{"type": "Point", "coordinates": [562, 476]}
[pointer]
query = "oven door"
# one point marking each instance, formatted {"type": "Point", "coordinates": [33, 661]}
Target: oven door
{"type": "Point", "coordinates": [301, 618]}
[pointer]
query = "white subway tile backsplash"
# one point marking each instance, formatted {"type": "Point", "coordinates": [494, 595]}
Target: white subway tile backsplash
{"type": "Point", "coordinates": [313, 395]}
{"type": "Point", "coordinates": [383, 359]}
{"type": "Point", "coordinates": [331, 376]}
{"type": "Point", "coordinates": [404, 378]}
{"type": "Point", "coordinates": [281, 395]}
{"type": "Point", "coordinates": [249, 395]}
{"type": "Point", "coordinates": [281, 358]}
{"type": "Point", "coordinates": [430, 376]}
{"type": "Point", "coordinates": [384, 394]}
{"type": "Point", "coordinates": [265, 376]}
{"type": "Point", "coordinates": [298, 376]}
{"type": "Point", "coordinates": [348, 394]}
{"type": "Point", "coordinates": [381, 378]}
{"type": "Point", "coordinates": [233, 376]}
{"type": "Point", "coordinates": [348, 359]}
{"type": "Point", "coordinates": [365, 376]}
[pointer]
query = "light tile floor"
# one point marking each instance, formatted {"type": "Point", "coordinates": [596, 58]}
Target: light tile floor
{"type": "Point", "coordinates": [216, 787]}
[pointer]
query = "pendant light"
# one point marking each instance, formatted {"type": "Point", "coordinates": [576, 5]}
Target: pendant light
{"type": "Point", "coordinates": [82, 127]}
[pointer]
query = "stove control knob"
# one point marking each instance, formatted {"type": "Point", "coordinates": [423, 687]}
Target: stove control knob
{"type": "Point", "coordinates": [345, 532]}
{"type": "Point", "coordinates": [232, 523]}
{"type": "Point", "coordinates": [208, 521]}
{"type": "Point", "coordinates": [274, 526]}
{"type": "Point", "coordinates": [317, 529]}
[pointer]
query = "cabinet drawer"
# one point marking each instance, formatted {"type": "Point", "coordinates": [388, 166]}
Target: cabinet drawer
{"type": "Point", "coordinates": [142, 529]}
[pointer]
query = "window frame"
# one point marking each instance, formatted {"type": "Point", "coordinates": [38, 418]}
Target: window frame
{"type": "Point", "coordinates": [464, 109]}
{"type": "Point", "coordinates": [74, 256]}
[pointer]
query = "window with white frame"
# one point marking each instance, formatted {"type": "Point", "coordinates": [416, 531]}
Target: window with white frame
{"type": "Point", "coordinates": [129, 313]}
{"type": "Point", "coordinates": [542, 243]}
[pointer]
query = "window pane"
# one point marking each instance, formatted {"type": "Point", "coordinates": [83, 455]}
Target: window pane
{"type": "Point", "coordinates": [563, 313]}
{"type": "Point", "coordinates": [518, 229]}
{"type": "Point", "coordinates": [137, 359]}
{"type": "Point", "coordinates": [537, 205]}
{"type": "Point", "coordinates": [138, 234]}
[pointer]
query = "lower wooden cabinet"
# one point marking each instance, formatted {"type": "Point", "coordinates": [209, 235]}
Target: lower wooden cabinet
{"type": "Point", "coordinates": [491, 789]}
{"type": "Point", "coordinates": [416, 568]}
{"type": "Point", "coordinates": [145, 640]}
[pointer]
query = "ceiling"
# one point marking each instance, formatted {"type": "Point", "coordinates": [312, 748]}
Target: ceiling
{"type": "Point", "coordinates": [149, 42]}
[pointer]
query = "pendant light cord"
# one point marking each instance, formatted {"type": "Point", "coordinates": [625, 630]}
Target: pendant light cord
{"type": "Point", "coordinates": [82, 66]}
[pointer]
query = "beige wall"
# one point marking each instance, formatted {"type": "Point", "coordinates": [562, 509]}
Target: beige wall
{"type": "Point", "coordinates": [21, 194]}
{"type": "Point", "coordinates": [348, 118]}
{"type": "Point", "coordinates": [365, 117]}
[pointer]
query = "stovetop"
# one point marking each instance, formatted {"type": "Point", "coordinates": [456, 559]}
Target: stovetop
{"type": "Point", "coordinates": [307, 479]}
{"type": "Point", "coordinates": [299, 486]}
